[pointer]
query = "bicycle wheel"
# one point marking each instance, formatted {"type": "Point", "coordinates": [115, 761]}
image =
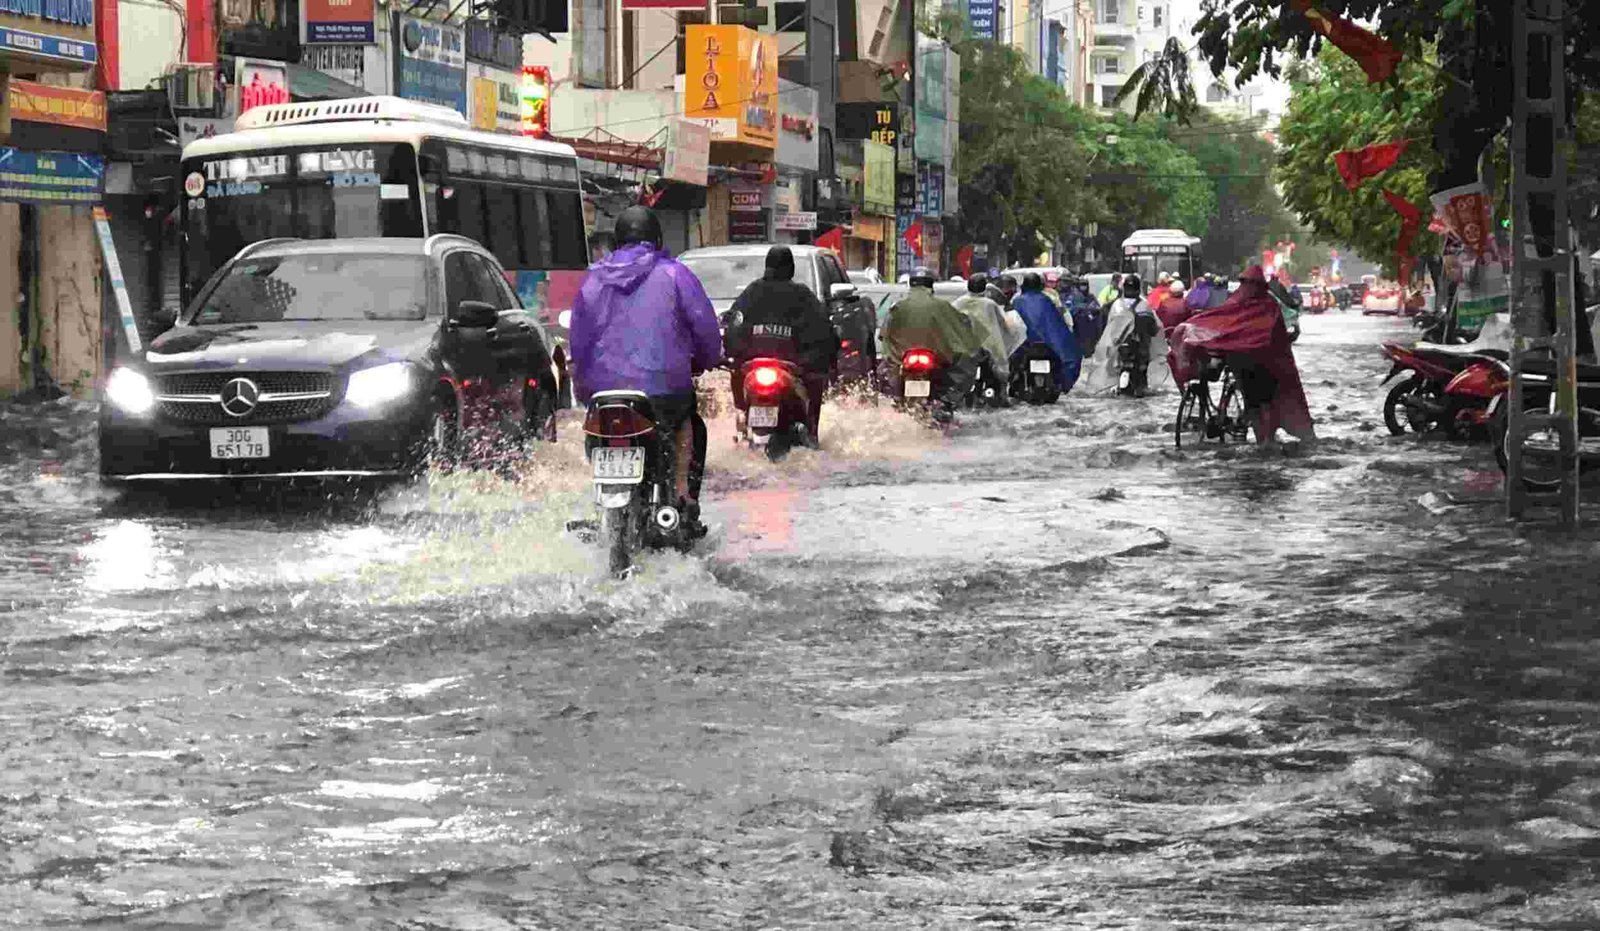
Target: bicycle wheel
{"type": "Point", "coordinates": [1233, 419]}
{"type": "Point", "coordinates": [1194, 413]}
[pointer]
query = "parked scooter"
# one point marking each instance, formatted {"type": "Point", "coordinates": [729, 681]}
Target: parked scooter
{"type": "Point", "coordinates": [1419, 401]}
{"type": "Point", "coordinates": [1541, 450]}
{"type": "Point", "coordinates": [1034, 374]}
{"type": "Point", "coordinates": [774, 412]}
{"type": "Point", "coordinates": [635, 479]}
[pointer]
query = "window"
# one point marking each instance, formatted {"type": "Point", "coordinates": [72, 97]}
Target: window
{"type": "Point", "coordinates": [1155, 16]}
{"type": "Point", "coordinates": [885, 18]}
{"type": "Point", "coordinates": [1109, 10]}
{"type": "Point", "coordinates": [504, 230]}
{"type": "Point", "coordinates": [791, 17]}
{"type": "Point", "coordinates": [686, 18]}
{"type": "Point", "coordinates": [466, 278]}
{"type": "Point", "coordinates": [319, 286]}
{"type": "Point", "coordinates": [1110, 66]}
{"type": "Point", "coordinates": [493, 283]}
{"type": "Point", "coordinates": [1108, 96]}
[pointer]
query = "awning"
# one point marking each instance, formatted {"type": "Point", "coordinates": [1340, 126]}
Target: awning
{"type": "Point", "coordinates": [311, 84]}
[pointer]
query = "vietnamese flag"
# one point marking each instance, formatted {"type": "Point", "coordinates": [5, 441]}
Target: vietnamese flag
{"type": "Point", "coordinates": [913, 238]}
{"type": "Point", "coordinates": [1373, 53]}
{"type": "Point", "coordinates": [964, 261]}
{"type": "Point", "coordinates": [832, 239]}
{"type": "Point", "coordinates": [1357, 165]}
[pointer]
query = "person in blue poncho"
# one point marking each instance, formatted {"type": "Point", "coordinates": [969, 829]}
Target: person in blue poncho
{"type": "Point", "coordinates": [1047, 325]}
{"type": "Point", "coordinates": [1085, 311]}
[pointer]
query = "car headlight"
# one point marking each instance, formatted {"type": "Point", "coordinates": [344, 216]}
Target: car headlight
{"type": "Point", "coordinates": [379, 384]}
{"type": "Point", "coordinates": [130, 391]}
{"type": "Point", "coordinates": [565, 319]}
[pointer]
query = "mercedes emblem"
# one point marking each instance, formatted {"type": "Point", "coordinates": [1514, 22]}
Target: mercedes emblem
{"type": "Point", "coordinates": [240, 396]}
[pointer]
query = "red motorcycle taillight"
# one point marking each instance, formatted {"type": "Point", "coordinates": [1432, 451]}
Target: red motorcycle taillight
{"type": "Point", "coordinates": [917, 360]}
{"type": "Point", "coordinates": [766, 376]}
{"type": "Point", "coordinates": [616, 422]}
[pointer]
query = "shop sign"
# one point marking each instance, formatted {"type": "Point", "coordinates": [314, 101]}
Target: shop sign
{"type": "Point", "coordinates": [980, 18]}
{"type": "Point", "coordinates": [339, 21]}
{"type": "Point", "coordinates": [879, 122]}
{"type": "Point", "coordinates": [259, 83]}
{"type": "Point", "coordinates": [433, 63]}
{"type": "Point", "coordinates": [931, 196]}
{"type": "Point", "coordinates": [796, 220]}
{"type": "Point", "coordinates": [797, 117]}
{"type": "Point", "coordinates": [62, 106]}
{"type": "Point", "coordinates": [745, 201]}
{"type": "Point", "coordinates": [748, 227]}
{"type": "Point", "coordinates": [51, 177]}
{"type": "Point", "coordinates": [688, 155]}
{"type": "Point", "coordinates": [57, 33]}
{"type": "Point", "coordinates": [731, 83]}
{"type": "Point", "coordinates": [495, 106]}
{"type": "Point", "coordinates": [877, 189]}
{"type": "Point", "coordinates": [191, 128]}
{"type": "Point", "coordinates": [348, 63]}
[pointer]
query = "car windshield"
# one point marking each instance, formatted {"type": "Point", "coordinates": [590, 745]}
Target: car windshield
{"type": "Point", "coordinates": [725, 276]}
{"type": "Point", "coordinates": [341, 286]}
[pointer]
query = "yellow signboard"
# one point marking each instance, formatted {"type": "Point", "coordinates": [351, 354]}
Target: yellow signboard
{"type": "Point", "coordinates": [731, 83]}
{"type": "Point", "coordinates": [485, 98]}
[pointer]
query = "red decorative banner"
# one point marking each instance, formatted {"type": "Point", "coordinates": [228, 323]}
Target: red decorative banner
{"type": "Point", "coordinates": [913, 238]}
{"type": "Point", "coordinates": [1410, 223]}
{"type": "Point", "coordinates": [1373, 53]}
{"type": "Point", "coordinates": [1357, 165]}
{"type": "Point", "coordinates": [832, 239]}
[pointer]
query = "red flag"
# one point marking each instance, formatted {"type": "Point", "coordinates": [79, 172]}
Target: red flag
{"type": "Point", "coordinates": [1373, 53]}
{"type": "Point", "coordinates": [832, 239]}
{"type": "Point", "coordinates": [1410, 223]}
{"type": "Point", "coordinates": [913, 237]}
{"type": "Point", "coordinates": [1357, 165]}
{"type": "Point", "coordinates": [963, 261]}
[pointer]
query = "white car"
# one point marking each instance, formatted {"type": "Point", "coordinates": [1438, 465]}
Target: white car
{"type": "Point", "coordinates": [866, 276]}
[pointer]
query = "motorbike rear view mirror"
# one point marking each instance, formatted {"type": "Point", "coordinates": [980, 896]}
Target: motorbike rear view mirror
{"type": "Point", "coordinates": [842, 291]}
{"type": "Point", "coordinates": [475, 315]}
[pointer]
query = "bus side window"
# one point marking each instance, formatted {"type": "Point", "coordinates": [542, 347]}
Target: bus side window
{"type": "Point", "coordinates": [566, 229]}
{"type": "Point", "coordinates": [534, 222]}
{"type": "Point", "coordinates": [503, 230]}
{"type": "Point", "coordinates": [469, 212]}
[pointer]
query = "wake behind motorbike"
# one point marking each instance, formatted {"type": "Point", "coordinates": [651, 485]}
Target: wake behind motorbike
{"type": "Point", "coordinates": [773, 416]}
{"type": "Point", "coordinates": [635, 477]}
{"type": "Point", "coordinates": [1034, 374]}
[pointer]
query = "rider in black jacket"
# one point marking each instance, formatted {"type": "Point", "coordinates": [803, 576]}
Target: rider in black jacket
{"type": "Point", "coordinates": [778, 318]}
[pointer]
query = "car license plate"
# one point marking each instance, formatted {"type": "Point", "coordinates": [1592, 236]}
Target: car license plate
{"type": "Point", "coordinates": [1039, 365]}
{"type": "Point", "coordinates": [919, 388]}
{"type": "Point", "coordinates": [624, 464]}
{"type": "Point", "coordinates": [240, 443]}
{"type": "Point", "coordinates": [763, 418]}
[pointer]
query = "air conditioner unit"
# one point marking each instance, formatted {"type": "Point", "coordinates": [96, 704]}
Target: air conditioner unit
{"type": "Point", "coordinates": [192, 86]}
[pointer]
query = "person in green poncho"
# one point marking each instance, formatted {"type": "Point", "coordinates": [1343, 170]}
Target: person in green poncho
{"type": "Point", "coordinates": [922, 321]}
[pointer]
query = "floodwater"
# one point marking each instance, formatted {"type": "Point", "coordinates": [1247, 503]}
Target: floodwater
{"type": "Point", "coordinates": [1044, 672]}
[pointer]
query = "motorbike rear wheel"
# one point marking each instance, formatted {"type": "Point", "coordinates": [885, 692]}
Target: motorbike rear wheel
{"type": "Point", "coordinates": [1398, 416]}
{"type": "Point", "coordinates": [622, 529]}
{"type": "Point", "coordinates": [1540, 474]}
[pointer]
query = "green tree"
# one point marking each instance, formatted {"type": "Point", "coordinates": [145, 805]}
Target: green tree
{"type": "Point", "coordinates": [1332, 107]}
{"type": "Point", "coordinates": [1240, 165]}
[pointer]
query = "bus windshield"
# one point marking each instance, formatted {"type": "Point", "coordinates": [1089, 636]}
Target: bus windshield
{"type": "Point", "coordinates": [323, 192]}
{"type": "Point", "coordinates": [1150, 267]}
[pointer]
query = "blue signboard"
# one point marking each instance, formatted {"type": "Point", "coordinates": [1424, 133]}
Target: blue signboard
{"type": "Point", "coordinates": [433, 63]}
{"type": "Point", "coordinates": [341, 33]}
{"type": "Point", "coordinates": [39, 45]}
{"type": "Point", "coordinates": [63, 178]}
{"type": "Point", "coordinates": [980, 18]}
{"type": "Point", "coordinates": [930, 199]}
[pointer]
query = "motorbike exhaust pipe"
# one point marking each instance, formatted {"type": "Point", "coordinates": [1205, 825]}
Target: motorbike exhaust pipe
{"type": "Point", "coordinates": [667, 518]}
{"type": "Point", "coordinates": [1426, 407]}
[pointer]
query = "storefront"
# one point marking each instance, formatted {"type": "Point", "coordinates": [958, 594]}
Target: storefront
{"type": "Point", "coordinates": [731, 86]}
{"type": "Point", "coordinates": [52, 173]}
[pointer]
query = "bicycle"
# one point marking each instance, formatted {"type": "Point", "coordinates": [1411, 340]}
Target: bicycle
{"type": "Point", "coordinates": [1225, 420]}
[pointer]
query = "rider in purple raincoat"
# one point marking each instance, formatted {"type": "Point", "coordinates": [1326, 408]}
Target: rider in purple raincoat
{"type": "Point", "coordinates": [641, 321]}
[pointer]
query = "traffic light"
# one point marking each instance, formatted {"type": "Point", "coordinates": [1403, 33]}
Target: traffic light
{"type": "Point", "coordinates": [535, 96]}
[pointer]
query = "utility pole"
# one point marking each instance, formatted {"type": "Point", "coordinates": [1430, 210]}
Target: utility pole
{"type": "Point", "coordinates": [1542, 254]}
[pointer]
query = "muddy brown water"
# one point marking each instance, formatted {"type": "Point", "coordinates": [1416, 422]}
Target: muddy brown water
{"type": "Point", "coordinates": [1047, 672]}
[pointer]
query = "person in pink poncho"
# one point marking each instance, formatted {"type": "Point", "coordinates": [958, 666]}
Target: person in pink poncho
{"type": "Point", "coordinates": [1248, 332]}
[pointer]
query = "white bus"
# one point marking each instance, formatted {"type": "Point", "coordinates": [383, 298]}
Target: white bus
{"type": "Point", "coordinates": [1148, 253]}
{"type": "Point", "coordinates": [382, 166]}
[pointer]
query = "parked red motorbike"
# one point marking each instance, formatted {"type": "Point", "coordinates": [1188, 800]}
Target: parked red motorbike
{"type": "Point", "coordinates": [1424, 401]}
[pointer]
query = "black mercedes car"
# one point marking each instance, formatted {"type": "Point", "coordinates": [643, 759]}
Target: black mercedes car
{"type": "Point", "coordinates": [328, 358]}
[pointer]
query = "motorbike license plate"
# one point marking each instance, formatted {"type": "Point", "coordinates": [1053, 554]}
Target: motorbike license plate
{"type": "Point", "coordinates": [1039, 365]}
{"type": "Point", "coordinates": [763, 418]}
{"type": "Point", "coordinates": [919, 388]}
{"type": "Point", "coordinates": [240, 443]}
{"type": "Point", "coordinates": [624, 464]}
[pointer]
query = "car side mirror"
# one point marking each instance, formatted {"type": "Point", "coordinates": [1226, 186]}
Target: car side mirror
{"type": "Point", "coordinates": [842, 291]}
{"type": "Point", "coordinates": [476, 315]}
{"type": "Point", "coordinates": [163, 319]}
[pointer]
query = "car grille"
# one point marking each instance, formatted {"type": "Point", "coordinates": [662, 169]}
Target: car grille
{"type": "Point", "coordinates": [193, 387]}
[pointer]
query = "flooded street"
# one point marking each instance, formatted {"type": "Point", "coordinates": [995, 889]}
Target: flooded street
{"type": "Point", "coordinates": [1046, 672]}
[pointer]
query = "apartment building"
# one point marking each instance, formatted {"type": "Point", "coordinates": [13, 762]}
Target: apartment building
{"type": "Point", "coordinates": [1127, 33]}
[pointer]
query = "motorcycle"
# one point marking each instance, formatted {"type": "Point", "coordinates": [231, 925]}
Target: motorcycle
{"type": "Point", "coordinates": [986, 390]}
{"type": "Point", "coordinates": [774, 409]}
{"type": "Point", "coordinates": [635, 480]}
{"type": "Point", "coordinates": [1430, 398]}
{"type": "Point", "coordinates": [1132, 369]}
{"type": "Point", "coordinates": [1541, 450]}
{"type": "Point", "coordinates": [919, 370]}
{"type": "Point", "coordinates": [1034, 374]}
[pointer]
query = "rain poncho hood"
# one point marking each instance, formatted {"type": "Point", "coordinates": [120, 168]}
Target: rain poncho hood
{"type": "Point", "coordinates": [1100, 371]}
{"type": "Point", "coordinates": [1249, 324]}
{"type": "Point", "coordinates": [1171, 309]}
{"type": "Point", "coordinates": [1199, 297]}
{"type": "Point", "coordinates": [1046, 325]}
{"type": "Point", "coordinates": [922, 321]}
{"type": "Point", "coordinates": [1002, 330]}
{"type": "Point", "coordinates": [641, 321]}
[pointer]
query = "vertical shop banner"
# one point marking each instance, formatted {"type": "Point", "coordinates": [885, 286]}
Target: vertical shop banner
{"type": "Point", "coordinates": [339, 21]}
{"type": "Point", "coordinates": [433, 63]}
{"type": "Point", "coordinates": [877, 189]}
{"type": "Point", "coordinates": [731, 83]}
{"type": "Point", "coordinates": [931, 196]}
{"type": "Point", "coordinates": [980, 18]}
{"type": "Point", "coordinates": [906, 213]}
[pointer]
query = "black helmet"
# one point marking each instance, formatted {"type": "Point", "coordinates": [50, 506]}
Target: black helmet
{"type": "Point", "coordinates": [780, 264]}
{"type": "Point", "coordinates": [1007, 283]}
{"type": "Point", "coordinates": [637, 224]}
{"type": "Point", "coordinates": [921, 277]}
{"type": "Point", "coordinates": [1132, 287]}
{"type": "Point", "coordinates": [978, 284]}
{"type": "Point", "coordinates": [1032, 282]}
